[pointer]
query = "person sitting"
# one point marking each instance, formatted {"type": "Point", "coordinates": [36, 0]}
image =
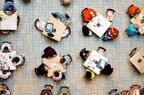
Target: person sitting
{"type": "Point", "coordinates": [84, 54]}
{"type": "Point", "coordinates": [40, 25]}
{"type": "Point", "coordinates": [141, 91]}
{"type": "Point", "coordinates": [132, 30]}
{"type": "Point", "coordinates": [67, 32]}
{"type": "Point", "coordinates": [66, 59]}
{"type": "Point", "coordinates": [48, 90]}
{"type": "Point", "coordinates": [66, 2]}
{"type": "Point", "coordinates": [134, 90]}
{"type": "Point", "coordinates": [9, 7]}
{"type": "Point", "coordinates": [58, 76]}
{"type": "Point", "coordinates": [101, 50]}
{"type": "Point", "coordinates": [64, 90]}
{"type": "Point", "coordinates": [87, 14]}
{"type": "Point", "coordinates": [66, 19]}
{"type": "Point", "coordinates": [107, 70]}
{"type": "Point", "coordinates": [5, 74]}
{"type": "Point", "coordinates": [109, 14]}
{"type": "Point", "coordinates": [6, 47]}
{"type": "Point", "coordinates": [41, 70]}
{"type": "Point", "coordinates": [110, 34]}
{"type": "Point", "coordinates": [86, 31]}
{"type": "Point", "coordinates": [49, 53]}
{"type": "Point", "coordinates": [19, 60]}
{"type": "Point", "coordinates": [89, 74]}
{"type": "Point", "coordinates": [133, 10]}
{"type": "Point", "coordinates": [4, 90]}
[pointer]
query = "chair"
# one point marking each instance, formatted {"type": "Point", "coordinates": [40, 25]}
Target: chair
{"type": "Point", "coordinates": [89, 75]}
{"type": "Point", "coordinates": [20, 61]}
{"type": "Point", "coordinates": [101, 50]}
{"type": "Point", "coordinates": [133, 52]}
{"type": "Point", "coordinates": [125, 92]}
{"type": "Point", "coordinates": [64, 90]}
{"type": "Point", "coordinates": [113, 92]}
{"type": "Point", "coordinates": [47, 90]}
{"type": "Point", "coordinates": [6, 46]}
{"type": "Point", "coordinates": [84, 53]}
{"type": "Point", "coordinates": [39, 25]}
{"type": "Point", "coordinates": [67, 32]}
{"type": "Point", "coordinates": [4, 91]}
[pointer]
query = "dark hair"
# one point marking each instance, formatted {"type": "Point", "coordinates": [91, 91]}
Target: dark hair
{"type": "Point", "coordinates": [88, 75]}
{"type": "Point", "coordinates": [46, 91]}
{"type": "Point", "coordinates": [2, 92]}
{"type": "Point", "coordinates": [6, 48]}
{"type": "Point", "coordinates": [62, 60]}
{"type": "Point", "coordinates": [41, 70]}
{"type": "Point", "coordinates": [107, 70]}
{"type": "Point", "coordinates": [85, 31]}
{"type": "Point", "coordinates": [49, 52]}
{"type": "Point", "coordinates": [82, 52]}
{"type": "Point", "coordinates": [16, 59]}
{"type": "Point", "coordinates": [9, 0]}
{"type": "Point", "coordinates": [56, 73]}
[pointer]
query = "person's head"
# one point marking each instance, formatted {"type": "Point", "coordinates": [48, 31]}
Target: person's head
{"type": "Point", "coordinates": [56, 74]}
{"type": "Point", "coordinates": [10, 8]}
{"type": "Point", "coordinates": [49, 52]}
{"type": "Point", "coordinates": [88, 75]}
{"type": "Point", "coordinates": [15, 59]}
{"type": "Point", "coordinates": [62, 60]}
{"type": "Point", "coordinates": [2, 92]}
{"type": "Point", "coordinates": [136, 26]}
{"type": "Point", "coordinates": [138, 11]}
{"type": "Point", "coordinates": [107, 70]}
{"type": "Point", "coordinates": [86, 31]}
{"type": "Point", "coordinates": [84, 53]}
{"type": "Point", "coordinates": [5, 49]}
{"type": "Point", "coordinates": [46, 92]}
{"type": "Point", "coordinates": [41, 70]}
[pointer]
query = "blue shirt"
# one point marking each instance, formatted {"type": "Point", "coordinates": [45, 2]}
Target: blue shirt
{"type": "Point", "coordinates": [6, 6]}
{"type": "Point", "coordinates": [131, 30]}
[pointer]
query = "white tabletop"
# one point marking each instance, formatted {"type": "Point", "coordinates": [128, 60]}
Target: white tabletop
{"type": "Point", "coordinates": [104, 25]}
{"type": "Point", "coordinates": [6, 60]}
{"type": "Point", "coordinates": [94, 55]}
{"type": "Point", "coordinates": [8, 22]}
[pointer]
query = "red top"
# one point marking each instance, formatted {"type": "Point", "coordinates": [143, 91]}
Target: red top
{"type": "Point", "coordinates": [86, 14]}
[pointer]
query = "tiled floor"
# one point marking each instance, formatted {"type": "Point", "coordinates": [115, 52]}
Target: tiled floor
{"type": "Point", "coordinates": [29, 41]}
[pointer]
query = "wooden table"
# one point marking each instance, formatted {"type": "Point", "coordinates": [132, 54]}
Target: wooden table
{"type": "Point", "coordinates": [8, 22]}
{"type": "Point", "coordinates": [59, 26]}
{"type": "Point", "coordinates": [99, 25]}
{"type": "Point", "coordinates": [53, 65]}
{"type": "Point", "coordinates": [137, 20]}
{"type": "Point", "coordinates": [94, 56]}
{"type": "Point", "coordinates": [6, 60]}
{"type": "Point", "coordinates": [136, 58]}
